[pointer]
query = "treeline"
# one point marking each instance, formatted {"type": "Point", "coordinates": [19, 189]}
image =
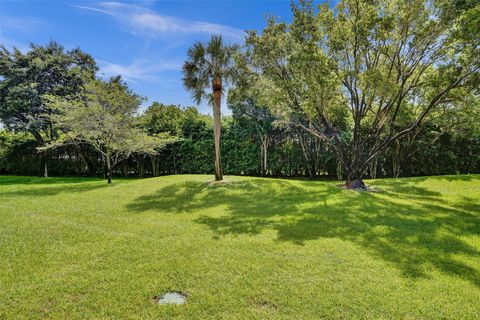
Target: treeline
{"type": "Point", "coordinates": [365, 89]}
{"type": "Point", "coordinates": [289, 151]}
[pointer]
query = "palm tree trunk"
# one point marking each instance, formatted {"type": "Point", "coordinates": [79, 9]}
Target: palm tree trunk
{"type": "Point", "coordinates": [217, 128]}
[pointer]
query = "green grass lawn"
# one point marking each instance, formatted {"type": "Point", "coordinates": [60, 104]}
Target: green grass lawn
{"type": "Point", "coordinates": [73, 248]}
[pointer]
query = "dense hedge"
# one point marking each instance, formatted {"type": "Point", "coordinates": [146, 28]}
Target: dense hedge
{"type": "Point", "coordinates": [241, 155]}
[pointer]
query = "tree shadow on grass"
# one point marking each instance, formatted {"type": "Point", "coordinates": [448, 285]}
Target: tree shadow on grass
{"type": "Point", "coordinates": [406, 225]}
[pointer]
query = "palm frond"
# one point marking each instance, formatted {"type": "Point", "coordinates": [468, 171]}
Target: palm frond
{"type": "Point", "coordinates": [206, 62]}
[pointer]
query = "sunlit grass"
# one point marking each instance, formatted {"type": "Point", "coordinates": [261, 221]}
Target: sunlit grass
{"type": "Point", "coordinates": [74, 248]}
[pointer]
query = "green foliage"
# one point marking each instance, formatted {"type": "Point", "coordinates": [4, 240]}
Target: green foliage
{"type": "Point", "coordinates": [26, 78]}
{"type": "Point", "coordinates": [445, 145]}
{"type": "Point", "coordinates": [160, 118]}
{"type": "Point", "coordinates": [378, 88]}
{"type": "Point", "coordinates": [103, 117]}
{"type": "Point", "coordinates": [208, 65]}
{"type": "Point", "coordinates": [379, 61]}
{"type": "Point", "coordinates": [17, 153]}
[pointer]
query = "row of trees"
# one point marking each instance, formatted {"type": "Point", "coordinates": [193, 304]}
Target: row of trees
{"type": "Point", "coordinates": [377, 88]}
{"type": "Point", "coordinates": [359, 77]}
{"type": "Point", "coordinates": [252, 144]}
{"type": "Point", "coordinates": [54, 95]}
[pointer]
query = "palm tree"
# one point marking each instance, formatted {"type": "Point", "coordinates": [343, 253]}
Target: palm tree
{"type": "Point", "coordinates": [210, 66]}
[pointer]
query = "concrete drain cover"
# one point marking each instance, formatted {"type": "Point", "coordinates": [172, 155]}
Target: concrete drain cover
{"type": "Point", "coordinates": [171, 298]}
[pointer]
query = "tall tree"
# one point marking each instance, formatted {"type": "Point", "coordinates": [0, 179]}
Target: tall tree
{"type": "Point", "coordinates": [210, 66]}
{"type": "Point", "coordinates": [373, 58]}
{"type": "Point", "coordinates": [104, 117]}
{"type": "Point", "coordinates": [27, 77]}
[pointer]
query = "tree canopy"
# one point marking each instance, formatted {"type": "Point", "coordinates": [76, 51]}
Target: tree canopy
{"type": "Point", "coordinates": [103, 118]}
{"type": "Point", "coordinates": [380, 60]}
{"type": "Point", "coordinates": [27, 77]}
{"type": "Point", "coordinates": [365, 88]}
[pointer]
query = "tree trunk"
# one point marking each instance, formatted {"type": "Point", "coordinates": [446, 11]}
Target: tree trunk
{"type": "Point", "coordinates": [264, 155]}
{"type": "Point", "coordinates": [355, 184]}
{"type": "Point", "coordinates": [354, 178]}
{"type": "Point", "coordinates": [125, 168]}
{"type": "Point", "coordinates": [217, 126]}
{"type": "Point", "coordinates": [306, 155]}
{"type": "Point", "coordinates": [154, 166]}
{"type": "Point", "coordinates": [109, 168]}
{"type": "Point", "coordinates": [82, 152]}
{"type": "Point", "coordinates": [45, 170]}
{"type": "Point", "coordinates": [262, 170]}
{"type": "Point", "coordinates": [373, 169]}
{"type": "Point", "coordinates": [339, 170]}
{"type": "Point", "coordinates": [265, 158]}
{"type": "Point", "coordinates": [396, 160]}
{"type": "Point", "coordinates": [45, 164]}
{"type": "Point", "coordinates": [317, 158]}
{"type": "Point", "coordinates": [141, 166]}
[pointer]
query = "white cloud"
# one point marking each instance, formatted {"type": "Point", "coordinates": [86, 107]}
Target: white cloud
{"type": "Point", "coordinates": [147, 22]}
{"type": "Point", "coordinates": [22, 24]}
{"type": "Point", "coordinates": [139, 70]}
{"type": "Point", "coordinates": [94, 9]}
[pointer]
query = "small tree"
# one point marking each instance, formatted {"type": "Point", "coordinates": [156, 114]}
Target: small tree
{"type": "Point", "coordinates": [210, 66]}
{"type": "Point", "coordinates": [104, 117]}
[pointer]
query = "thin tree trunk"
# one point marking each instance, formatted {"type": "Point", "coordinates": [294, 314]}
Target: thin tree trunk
{"type": "Point", "coordinates": [217, 127]}
{"type": "Point", "coordinates": [265, 157]}
{"type": "Point", "coordinates": [373, 169]}
{"type": "Point", "coordinates": [125, 168]}
{"type": "Point", "coordinates": [396, 160]}
{"type": "Point", "coordinates": [339, 170]}
{"type": "Point", "coordinates": [262, 169]}
{"type": "Point", "coordinates": [141, 166]}
{"type": "Point", "coordinates": [45, 170]}
{"type": "Point", "coordinates": [306, 155]}
{"type": "Point", "coordinates": [109, 168]}
{"type": "Point", "coordinates": [317, 158]}
{"type": "Point", "coordinates": [83, 154]}
{"type": "Point", "coordinates": [154, 166]}
{"type": "Point", "coordinates": [45, 164]}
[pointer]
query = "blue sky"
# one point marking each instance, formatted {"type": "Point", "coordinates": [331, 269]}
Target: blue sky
{"type": "Point", "coordinates": [144, 41]}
